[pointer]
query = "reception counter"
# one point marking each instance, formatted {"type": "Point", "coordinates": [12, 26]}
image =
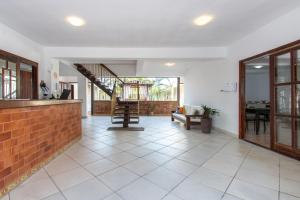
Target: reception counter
{"type": "Point", "coordinates": [32, 132]}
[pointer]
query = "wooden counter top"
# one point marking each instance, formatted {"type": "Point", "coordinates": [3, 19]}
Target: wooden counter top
{"type": "Point", "coordinates": [20, 103]}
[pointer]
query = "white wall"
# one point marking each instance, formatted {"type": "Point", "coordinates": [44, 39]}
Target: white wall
{"type": "Point", "coordinates": [66, 70]}
{"type": "Point", "coordinates": [157, 68]}
{"type": "Point", "coordinates": [123, 70]}
{"type": "Point", "coordinates": [202, 85]}
{"type": "Point", "coordinates": [207, 78]}
{"type": "Point", "coordinates": [18, 44]}
{"type": "Point", "coordinates": [14, 42]}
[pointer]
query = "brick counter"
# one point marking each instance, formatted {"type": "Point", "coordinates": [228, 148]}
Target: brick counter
{"type": "Point", "coordinates": [31, 136]}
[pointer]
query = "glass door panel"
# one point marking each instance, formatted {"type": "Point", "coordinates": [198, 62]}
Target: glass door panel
{"type": "Point", "coordinates": [284, 130]}
{"type": "Point", "coordinates": [283, 119]}
{"type": "Point", "coordinates": [257, 101]}
{"type": "Point", "coordinates": [298, 64]}
{"type": "Point", "coordinates": [283, 104]}
{"type": "Point", "coordinates": [298, 133]}
{"type": "Point", "coordinates": [298, 100]}
{"type": "Point", "coordinates": [283, 68]}
{"type": "Point", "coordinates": [287, 101]}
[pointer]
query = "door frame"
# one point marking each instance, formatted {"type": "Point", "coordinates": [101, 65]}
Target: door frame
{"type": "Point", "coordinates": [242, 63]}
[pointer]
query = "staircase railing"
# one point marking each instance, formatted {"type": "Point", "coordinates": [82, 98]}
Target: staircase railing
{"type": "Point", "coordinates": [111, 84]}
{"type": "Point", "coordinates": [103, 74]}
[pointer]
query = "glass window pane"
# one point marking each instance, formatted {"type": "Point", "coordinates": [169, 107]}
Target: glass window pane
{"type": "Point", "coordinates": [298, 99]}
{"type": "Point", "coordinates": [298, 65]}
{"type": "Point", "coordinates": [284, 100]}
{"type": "Point", "coordinates": [284, 130]}
{"type": "Point", "coordinates": [6, 85]}
{"type": "Point", "coordinates": [13, 70]}
{"type": "Point", "coordinates": [2, 66]}
{"type": "Point", "coordinates": [283, 68]}
{"type": "Point", "coordinates": [298, 133]}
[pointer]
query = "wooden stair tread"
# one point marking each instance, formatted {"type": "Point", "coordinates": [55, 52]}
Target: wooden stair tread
{"type": "Point", "coordinates": [122, 117]}
{"type": "Point", "coordinates": [121, 122]}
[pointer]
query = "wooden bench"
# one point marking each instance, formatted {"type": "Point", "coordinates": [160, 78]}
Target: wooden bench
{"type": "Point", "coordinates": [189, 118]}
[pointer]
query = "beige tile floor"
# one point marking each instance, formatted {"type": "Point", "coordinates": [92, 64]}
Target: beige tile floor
{"type": "Point", "coordinates": [163, 162]}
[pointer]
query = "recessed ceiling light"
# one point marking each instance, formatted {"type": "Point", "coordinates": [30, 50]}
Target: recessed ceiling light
{"type": "Point", "coordinates": [203, 20]}
{"type": "Point", "coordinates": [170, 64]}
{"type": "Point", "coordinates": [75, 21]}
{"type": "Point", "coordinates": [258, 66]}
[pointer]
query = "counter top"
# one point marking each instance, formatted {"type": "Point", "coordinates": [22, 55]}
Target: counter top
{"type": "Point", "coordinates": [20, 103]}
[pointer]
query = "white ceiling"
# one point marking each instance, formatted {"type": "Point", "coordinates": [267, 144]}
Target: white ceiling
{"type": "Point", "coordinates": [139, 23]}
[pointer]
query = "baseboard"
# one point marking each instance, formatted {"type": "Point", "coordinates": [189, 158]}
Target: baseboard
{"type": "Point", "coordinates": [225, 132]}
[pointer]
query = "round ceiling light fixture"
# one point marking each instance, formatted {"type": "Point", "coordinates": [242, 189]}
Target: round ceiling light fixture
{"type": "Point", "coordinates": [203, 20]}
{"type": "Point", "coordinates": [75, 21]}
{"type": "Point", "coordinates": [258, 66]}
{"type": "Point", "coordinates": [170, 64]}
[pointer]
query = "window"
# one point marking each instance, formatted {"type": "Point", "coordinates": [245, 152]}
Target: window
{"type": "Point", "coordinates": [163, 89]}
{"type": "Point", "coordinates": [18, 77]}
{"type": "Point", "coordinates": [145, 89]}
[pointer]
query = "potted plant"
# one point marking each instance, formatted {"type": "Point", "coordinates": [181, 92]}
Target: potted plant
{"type": "Point", "coordinates": [151, 109]}
{"type": "Point", "coordinates": [206, 119]}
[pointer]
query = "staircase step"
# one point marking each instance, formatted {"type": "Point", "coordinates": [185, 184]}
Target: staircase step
{"type": "Point", "coordinates": [120, 117]}
{"type": "Point", "coordinates": [121, 122]}
{"type": "Point", "coordinates": [122, 113]}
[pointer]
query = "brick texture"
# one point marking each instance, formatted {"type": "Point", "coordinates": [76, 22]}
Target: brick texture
{"type": "Point", "coordinates": [30, 136]}
{"type": "Point", "coordinates": [160, 107]}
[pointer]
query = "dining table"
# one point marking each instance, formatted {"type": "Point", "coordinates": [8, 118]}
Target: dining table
{"type": "Point", "coordinates": [265, 112]}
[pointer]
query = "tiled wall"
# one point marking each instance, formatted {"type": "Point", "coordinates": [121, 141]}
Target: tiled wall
{"type": "Point", "coordinates": [30, 136]}
{"type": "Point", "coordinates": [160, 107]}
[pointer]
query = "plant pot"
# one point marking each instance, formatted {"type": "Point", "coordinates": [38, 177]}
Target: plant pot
{"type": "Point", "coordinates": [206, 125]}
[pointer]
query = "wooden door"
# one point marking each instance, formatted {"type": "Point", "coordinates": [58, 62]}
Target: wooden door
{"type": "Point", "coordinates": [286, 87]}
{"type": "Point", "coordinates": [25, 85]}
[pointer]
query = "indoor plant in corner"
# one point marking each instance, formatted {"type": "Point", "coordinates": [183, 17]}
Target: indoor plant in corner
{"type": "Point", "coordinates": [206, 119]}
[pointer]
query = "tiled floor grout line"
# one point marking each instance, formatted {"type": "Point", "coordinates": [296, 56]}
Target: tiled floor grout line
{"type": "Point", "coordinates": [96, 176]}
{"type": "Point", "coordinates": [279, 179]}
{"type": "Point", "coordinates": [245, 157]}
{"type": "Point", "coordinates": [116, 191]}
{"type": "Point", "coordinates": [212, 147]}
{"type": "Point", "coordinates": [193, 172]}
{"type": "Point", "coordinates": [173, 158]}
{"type": "Point", "coordinates": [60, 191]}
